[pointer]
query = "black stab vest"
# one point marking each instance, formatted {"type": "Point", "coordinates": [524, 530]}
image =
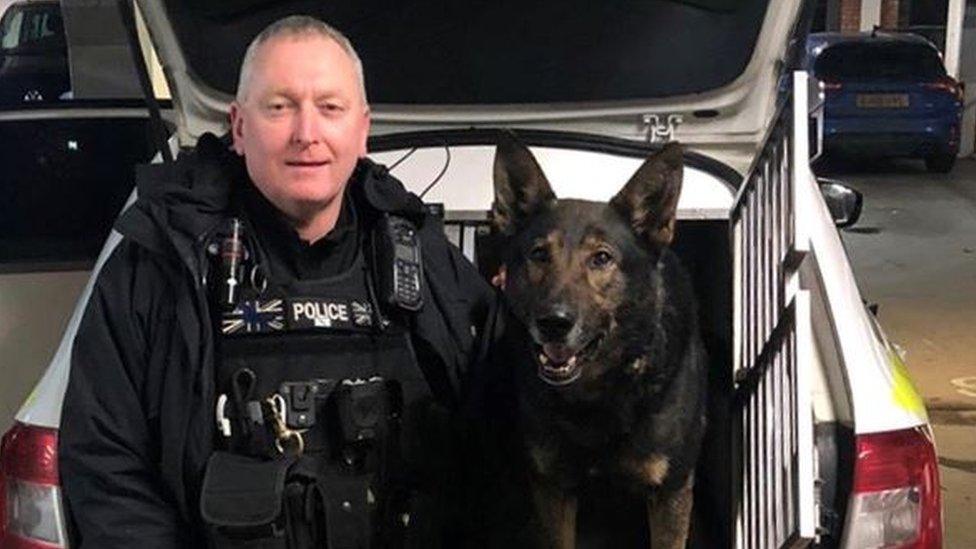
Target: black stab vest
{"type": "Point", "coordinates": [366, 428]}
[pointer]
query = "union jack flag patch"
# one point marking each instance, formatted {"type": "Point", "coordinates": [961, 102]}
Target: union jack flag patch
{"type": "Point", "coordinates": [254, 317]}
{"type": "Point", "coordinates": [362, 313]}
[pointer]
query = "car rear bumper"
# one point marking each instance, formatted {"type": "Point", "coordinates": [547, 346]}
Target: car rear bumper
{"type": "Point", "coordinates": [913, 137]}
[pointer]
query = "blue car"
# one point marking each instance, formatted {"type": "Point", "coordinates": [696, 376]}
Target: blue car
{"type": "Point", "coordinates": [887, 94]}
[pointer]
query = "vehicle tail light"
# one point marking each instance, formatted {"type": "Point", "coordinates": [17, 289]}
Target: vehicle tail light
{"type": "Point", "coordinates": [948, 85]}
{"type": "Point", "coordinates": [31, 516]}
{"type": "Point", "coordinates": [895, 502]}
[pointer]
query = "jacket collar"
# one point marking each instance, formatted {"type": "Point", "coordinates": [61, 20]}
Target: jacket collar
{"type": "Point", "coordinates": [180, 204]}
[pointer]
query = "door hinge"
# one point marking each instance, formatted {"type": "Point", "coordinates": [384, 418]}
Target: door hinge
{"type": "Point", "coordinates": [660, 128]}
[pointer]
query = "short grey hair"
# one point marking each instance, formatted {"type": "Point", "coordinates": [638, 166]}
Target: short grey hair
{"type": "Point", "coordinates": [297, 26]}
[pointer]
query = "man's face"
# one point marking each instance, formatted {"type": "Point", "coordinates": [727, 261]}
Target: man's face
{"type": "Point", "coordinates": [303, 123]}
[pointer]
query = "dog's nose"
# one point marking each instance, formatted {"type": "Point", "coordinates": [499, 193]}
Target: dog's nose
{"type": "Point", "coordinates": [555, 324]}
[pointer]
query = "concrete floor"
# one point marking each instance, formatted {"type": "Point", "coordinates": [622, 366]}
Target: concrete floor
{"type": "Point", "coordinates": [914, 254]}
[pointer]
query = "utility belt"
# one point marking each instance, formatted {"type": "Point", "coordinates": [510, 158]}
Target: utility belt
{"type": "Point", "coordinates": [319, 416]}
{"type": "Point", "coordinates": [313, 465]}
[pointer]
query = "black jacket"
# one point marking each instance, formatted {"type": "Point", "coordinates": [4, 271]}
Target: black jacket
{"type": "Point", "coordinates": [138, 420]}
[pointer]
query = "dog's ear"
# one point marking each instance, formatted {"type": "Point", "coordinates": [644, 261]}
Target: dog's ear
{"type": "Point", "coordinates": [521, 189]}
{"type": "Point", "coordinates": [649, 201]}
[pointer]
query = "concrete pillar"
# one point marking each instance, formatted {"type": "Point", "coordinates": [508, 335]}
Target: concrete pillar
{"type": "Point", "coordinates": [960, 61]}
{"type": "Point", "coordinates": [870, 14]}
{"type": "Point", "coordinates": [954, 29]}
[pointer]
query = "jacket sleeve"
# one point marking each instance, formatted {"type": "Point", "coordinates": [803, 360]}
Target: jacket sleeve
{"type": "Point", "coordinates": [486, 381]}
{"type": "Point", "coordinates": [494, 505]}
{"type": "Point", "coordinates": [109, 445]}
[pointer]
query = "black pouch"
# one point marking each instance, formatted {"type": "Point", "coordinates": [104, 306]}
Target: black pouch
{"type": "Point", "coordinates": [350, 511]}
{"type": "Point", "coordinates": [241, 502]}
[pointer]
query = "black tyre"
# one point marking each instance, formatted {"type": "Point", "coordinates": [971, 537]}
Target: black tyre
{"type": "Point", "coordinates": [940, 163]}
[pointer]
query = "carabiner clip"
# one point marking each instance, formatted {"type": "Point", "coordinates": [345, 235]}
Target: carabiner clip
{"type": "Point", "coordinates": [291, 437]}
{"type": "Point", "coordinates": [287, 441]}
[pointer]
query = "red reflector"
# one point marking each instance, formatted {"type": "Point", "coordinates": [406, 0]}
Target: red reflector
{"type": "Point", "coordinates": [30, 506]}
{"type": "Point", "coordinates": [30, 453]}
{"type": "Point", "coordinates": [887, 462]}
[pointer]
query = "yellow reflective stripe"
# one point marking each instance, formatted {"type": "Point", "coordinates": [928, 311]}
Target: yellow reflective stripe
{"type": "Point", "coordinates": [904, 392]}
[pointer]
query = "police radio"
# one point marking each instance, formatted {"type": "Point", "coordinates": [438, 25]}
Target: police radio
{"type": "Point", "coordinates": [397, 263]}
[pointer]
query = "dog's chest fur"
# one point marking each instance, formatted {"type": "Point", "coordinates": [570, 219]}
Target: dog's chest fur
{"type": "Point", "coordinates": [614, 436]}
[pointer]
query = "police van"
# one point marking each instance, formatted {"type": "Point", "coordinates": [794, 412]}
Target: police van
{"type": "Point", "coordinates": [816, 435]}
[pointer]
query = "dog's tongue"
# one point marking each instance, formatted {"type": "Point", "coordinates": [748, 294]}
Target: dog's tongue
{"type": "Point", "coordinates": [557, 352]}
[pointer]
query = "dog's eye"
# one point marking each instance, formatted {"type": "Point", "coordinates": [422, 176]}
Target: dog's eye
{"type": "Point", "coordinates": [539, 254]}
{"type": "Point", "coordinates": [601, 260]}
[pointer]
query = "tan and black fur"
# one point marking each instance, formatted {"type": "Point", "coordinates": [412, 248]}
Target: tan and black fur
{"type": "Point", "coordinates": [610, 378]}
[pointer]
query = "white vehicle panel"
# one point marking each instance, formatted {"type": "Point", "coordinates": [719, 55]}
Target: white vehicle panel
{"type": "Point", "coordinates": [882, 397]}
{"type": "Point", "coordinates": [467, 182]}
{"type": "Point", "coordinates": [43, 405]}
{"type": "Point", "coordinates": [35, 307]}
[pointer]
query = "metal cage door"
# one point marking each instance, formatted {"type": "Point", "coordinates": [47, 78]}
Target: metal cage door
{"type": "Point", "coordinates": [773, 351]}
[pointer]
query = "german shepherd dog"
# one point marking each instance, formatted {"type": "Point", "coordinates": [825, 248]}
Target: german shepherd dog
{"type": "Point", "coordinates": [611, 381]}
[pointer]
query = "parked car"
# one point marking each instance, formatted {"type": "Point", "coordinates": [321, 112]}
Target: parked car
{"type": "Point", "coordinates": [33, 53]}
{"type": "Point", "coordinates": [68, 168]}
{"type": "Point", "coordinates": [887, 94]}
{"type": "Point", "coordinates": [815, 433]}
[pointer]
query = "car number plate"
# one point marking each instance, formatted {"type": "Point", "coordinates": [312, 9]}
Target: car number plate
{"type": "Point", "coordinates": [882, 100]}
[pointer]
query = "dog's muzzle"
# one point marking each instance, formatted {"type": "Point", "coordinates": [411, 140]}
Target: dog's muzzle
{"type": "Point", "coordinates": [560, 364]}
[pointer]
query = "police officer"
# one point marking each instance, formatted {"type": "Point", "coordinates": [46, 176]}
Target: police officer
{"type": "Point", "coordinates": [273, 353]}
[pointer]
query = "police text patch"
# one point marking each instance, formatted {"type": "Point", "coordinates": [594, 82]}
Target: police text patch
{"type": "Point", "coordinates": [328, 313]}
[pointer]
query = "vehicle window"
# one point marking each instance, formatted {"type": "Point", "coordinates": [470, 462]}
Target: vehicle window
{"type": "Point", "coordinates": [885, 61]}
{"type": "Point", "coordinates": [42, 27]}
{"type": "Point", "coordinates": [10, 29]}
{"type": "Point", "coordinates": [35, 66]}
{"type": "Point", "coordinates": [64, 183]}
{"type": "Point", "coordinates": [44, 65]}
